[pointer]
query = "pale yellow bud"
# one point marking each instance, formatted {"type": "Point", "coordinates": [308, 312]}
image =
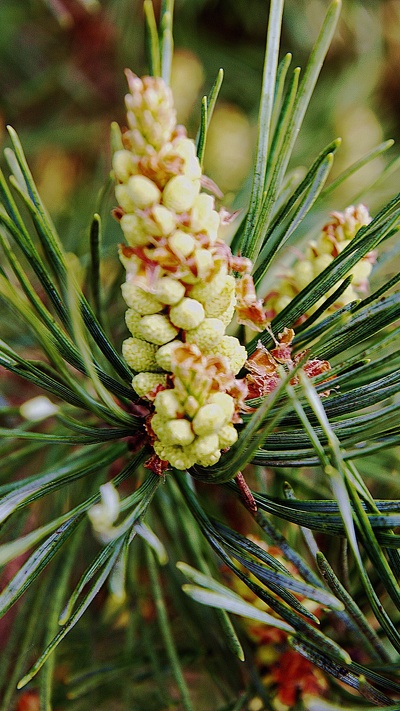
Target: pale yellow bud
{"type": "Point", "coordinates": [204, 262]}
{"type": "Point", "coordinates": [151, 113]}
{"type": "Point", "coordinates": [325, 245]}
{"type": "Point", "coordinates": [165, 219]}
{"type": "Point", "coordinates": [138, 142]}
{"type": "Point", "coordinates": [180, 193]}
{"type": "Point", "coordinates": [179, 457]}
{"type": "Point", "coordinates": [182, 244]}
{"type": "Point", "coordinates": [144, 383]}
{"type": "Point", "coordinates": [208, 419]}
{"type": "Point", "coordinates": [188, 314]}
{"type": "Point", "coordinates": [189, 278]}
{"type": "Point", "coordinates": [207, 335]}
{"type": "Point", "coordinates": [342, 245]}
{"type": "Point", "coordinates": [124, 165]}
{"type": "Point", "coordinates": [192, 168]}
{"type": "Point", "coordinates": [157, 329]}
{"type": "Point", "coordinates": [203, 217]}
{"type": "Point", "coordinates": [124, 198]}
{"type": "Point", "coordinates": [132, 320]}
{"type": "Point", "coordinates": [139, 299]}
{"type": "Point", "coordinates": [164, 355]}
{"type": "Point", "coordinates": [208, 290]}
{"type": "Point", "coordinates": [361, 272]}
{"type": "Point", "coordinates": [321, 262]}
{"type": "Point", "coordinates": [167, 404]}
{"type": "Point", "coordinates": [133, 230]}
{"type": "Point", "coordinates": [186, 149]}
{"type": "Point", "coordinates": [143, 192]}
{"type": "Point", "coordinates": [225, 402]}
{"type": "Point", "coordinates": [132, 263]}
{"type": "Point", "coordinates": [232, 349]}
{"type": "Point", "coordinates": [286, 288]}
{"type": "Point", "coordinates": [281, 302]}
{"type": "Point", "coordinates": [303, 272]}
{"type": "Point", "coordinates": [179, 432]}
{"type": "Point", "coordinates": [227, 436]}
{"type": "Point", "coordinates": [169, 291]}
{"type": "Point", "coordinates": [140, 355]}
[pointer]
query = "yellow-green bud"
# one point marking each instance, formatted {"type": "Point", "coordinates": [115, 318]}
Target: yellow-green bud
{"type": "Point", "coordinates": [282, 301]}
{"type": "Point", "coordinates": [207, 335]}
{"type": "Point", "coordinates": [188, 314]}
{"type": "Point", "coordinates": [180, 193]}
{"type": "Point", "coordinates": [223, 305]}
{"type": "Point", "coordinates": [133, 230]}
{"type": "Point", "coordinates": [191, 406]}
{"type": "Point", "coordinates": [144, 383]}
{"type": "Point", "coordinates": [178, 432]}
{"type": "Point", "coordinates": [321, 262]}
{"type": "Point", "coordinates": [204, 446]}
{"type": "Point", "coordinates": [181, 243]}
{"type": "Point", "coordinates": [132, 320]}
{"type": "Point", "coordinates": [140, 355]}
{"type": "Point", "coordinates": [227, 436]}
{"type": "Point", "coordinates": [167, 404]}
{"type": "Point", "coordinates": [208, 419]}
{"type": "Point", "coordinates": [169, 291]}
{"type": "Point", "coordinates": [303, 272]}
{"type": "Point", "coordinates": [164, 355]}
{"type": "Point", "coordinates": [189, 278]}
{"type": "Point", "coordinates": [124, 165]}
{"type": "Point", "coordinates": [325, 245]}
{"type": "Point", "coordinates": [225, 402]}
{"type": "Point", "coordinates": [209, 459]}
{"type": "Point", "coordinates": [158, 423]}
{"type": "Point", "coordinates": [179, 457]}
{"type": "Point", "coordinates": [231, 348]}
{"type": "Point", "coordinates": [361, 271]}
{"type": "Point", "coordinates": [157, 329]}
{"type": "Point", "coordinates": [143, 191]}
{"type": "Point", "coordinates": [140, 300]}
{"type": "Point", "coordinates": [208, 290]}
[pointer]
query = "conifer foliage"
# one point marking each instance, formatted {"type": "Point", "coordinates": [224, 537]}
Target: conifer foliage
{"type": "Point", "coordinates": [186, 517]}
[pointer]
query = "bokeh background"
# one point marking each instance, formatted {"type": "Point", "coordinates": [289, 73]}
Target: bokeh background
{"type": "Point", "coordinates": [62, 82]}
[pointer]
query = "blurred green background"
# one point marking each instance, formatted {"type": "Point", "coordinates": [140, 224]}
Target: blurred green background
{"type": "Point", "coordinates": [62, 82]}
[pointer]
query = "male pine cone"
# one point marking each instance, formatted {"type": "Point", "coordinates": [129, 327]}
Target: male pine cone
{"type": "Point", "coordinates": [179, 289]}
